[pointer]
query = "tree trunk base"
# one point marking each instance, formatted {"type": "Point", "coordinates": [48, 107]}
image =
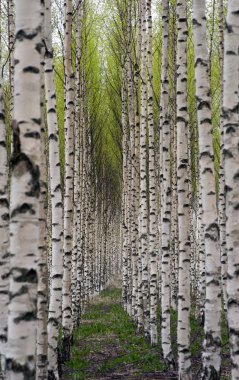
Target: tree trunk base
{"type": "Point", "coordinates": [66, 348]}
{"type": "Point", "coordinates": [51, 376]}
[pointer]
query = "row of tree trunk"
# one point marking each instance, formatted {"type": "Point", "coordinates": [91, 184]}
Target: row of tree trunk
{"type": "Point", "coordinates": [180, 244]}
{"type": "Point", "coordinates": [59, 240]}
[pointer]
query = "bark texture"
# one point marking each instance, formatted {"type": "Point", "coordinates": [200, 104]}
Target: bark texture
{"type": "Point", "coordinates": [25, 193]}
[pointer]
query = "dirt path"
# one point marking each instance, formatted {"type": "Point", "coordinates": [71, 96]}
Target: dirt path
{"type": "Point", "coordinates": [107, 347]}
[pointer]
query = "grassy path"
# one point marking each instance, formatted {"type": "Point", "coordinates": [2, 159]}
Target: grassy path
{"type": "Point", "coordinates": [107, 347]}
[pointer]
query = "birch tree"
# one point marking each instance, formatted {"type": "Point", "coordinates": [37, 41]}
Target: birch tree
{"type": "Point", "coordinates": [165, 193]}
{"type": "Point", "coordinates": [212, 341]}
{"type": "Point", "coordinates": [68, 193]}
{"type": "Point", "coordinates": [56, 270]}
{"type": "Point", "coordinates": [183, 329]}
{"type": "Point", "coordinates": [42, 296]}
{"type": "Point", "coordinates": [231, 140]}
{"type": "Point", "coordinates": [143, 224]}
{"type": "Point", "coordinates": [4, 220]}
{"type": "Point", "coordinates": [152, 190]}
{"type": "Point", "coordinates": [25, 192]}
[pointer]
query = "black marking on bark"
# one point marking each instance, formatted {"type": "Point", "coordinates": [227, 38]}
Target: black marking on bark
{"type": "Point", "coordinates": [3, 338]}
{"type": "Point", "coordinates": [51, 110]}
{"type": "Point", "coordinates": [23, 209]}
{"type": "Point", "coordinates": [5, 217]}
{"type": "Point", "coordinates": [230, 129]}
{"type": "Point", "coordinates": [25, 370]}
{"type": "Point", "coordinates": [23, 34]}
{"type": "Point", "coordinates": [27, 317]}
{"type": "Point", "coordinates": [37, 121]}
{"type": "Point", "coordinates": [31, 69]}
{"type": "Point", "coordinates": [33, 135]}
{"type": "Point", "coordinates": [25, 275]}
{"type": "Point", "coordinates": [52, 136]}
{"type": "Point", "coordinates": [232, 302]}
{"type": "Point", "coordinates": [204, 104]}
{"type": "Point", "coordinates": [22, 290]}
{"type": "Point", "coordinates": [16, 139]}
{"type": "Point", "coordinates": [233, 332]}
{"type": "Point", "coordinates": [4, 202]}
{"type": "Point", "coordinates": [38, 47]}
{"type": "Point", "coordinates": [201, 61]}
{"type": "Point", "coordinates": [236, 176]}
{"type": "Point", "coordinates": [227, 153]}
{"type": "Point", "coordinates": [55, 276]}
{"type": "Point", "coordinates": [57, 188]}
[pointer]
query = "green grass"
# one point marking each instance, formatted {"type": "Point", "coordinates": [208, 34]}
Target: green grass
{"type": "Point", "coordinates": [107, 342]}
{"type": "Point", "coordinates": [109, 328]}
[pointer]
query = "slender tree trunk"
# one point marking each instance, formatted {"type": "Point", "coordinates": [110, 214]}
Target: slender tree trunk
{"type": "Point", "coordinates": [165, 193]}
{"type": "Point", "coordinates": [143, 227]}
{"type": "Point", "coordinates": [68, 193]}
{"type": "Point", "coordinates": [231, 156]}
{"type": "Point", "coordinates": [152, 190]}
{"type": "Point", "coordinates": [54, 316]}
{"type": "Point", "coordinates": [4, 221]}
{"type": "Point", "coordinates": [77, 158]}
{"type": "Point", "coordinates": [222, 200]}
{"type": "Point", "coordinates": [125, 188]}
{"type": "Point", "coordinates": [183, 329]}
{"type": "Point", "coordinates": [133, 172]}
{"type": "Point", "coordinates": [11, 27]}
{"type": "Point", "coordinates": [212, 341]}
{"type": "Point", "coordinates": [25, 192]}
{"type": "Point", "coordinates": [42, 299]}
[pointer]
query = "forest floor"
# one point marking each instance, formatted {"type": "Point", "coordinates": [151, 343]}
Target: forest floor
{"type": "Point", "coordinates": [106, 346]}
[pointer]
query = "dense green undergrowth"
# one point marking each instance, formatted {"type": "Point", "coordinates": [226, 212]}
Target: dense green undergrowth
{"type": "Point", "coordinates": [106, 345]}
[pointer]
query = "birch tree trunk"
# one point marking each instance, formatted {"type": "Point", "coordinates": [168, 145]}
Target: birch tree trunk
{"type": "Point", "coordinates": [25, 192]}
{"type": "Point", "coordinates": [42, 299]}
{"type": "Point", "coordinates": [69, 175]}
{"type": "Point", "coordinates": [222, 201]}
{"type": "Point", "coordinates": [125, 188]}
{"type": "Point", "coordinates": [4, 222]}
{"type": "Point", "coordinates": [183, 328]}
{"type": "Point", "coordinates": [143, 226]}
{"type": "Point", "coordinates": [138, 293]}
{"type": "Point", "coordinates": [212, 341]}
{"type": "Point", "coordinates": [165, 193]}
{"type": "Point", "coordinates": [77, 204]}
{"type": "Point", "coordinates": [55, 294]}
{"type": "Point", "coordinates": [231, 156]}
{"type": "Point", "coordinates": [11, 27]}
{"type": "Point", "coordinates": [133, 179]}
{"type": "Point", "coordinates": [152, 190]}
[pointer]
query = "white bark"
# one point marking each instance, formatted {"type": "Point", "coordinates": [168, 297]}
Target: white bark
{"type": "Point", "coordinates": [183, 329]}
{"type": "Point", "coordinates": [212, 341]}
{"type": "Point", "coordinates": [4, 224]}
{"type": "Point", "coordinates": [42, 298]}
{"type": "Point", "coordinates": [165, 194]}
{"type": "Point", "coordinates": [231, 156]}
{"type": "Point", "coordinates": [68, 191]}
{"type": "Point", "coordinates": [55, 294]}
{"type": "Point", "coordinates": [25, 192]}
{"type": "Point", "coordinates": [222, 200]}
{"type": "Point", "coordinates": [152, 190]}
{"type": "Point", "coordinates": [143, 225]}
